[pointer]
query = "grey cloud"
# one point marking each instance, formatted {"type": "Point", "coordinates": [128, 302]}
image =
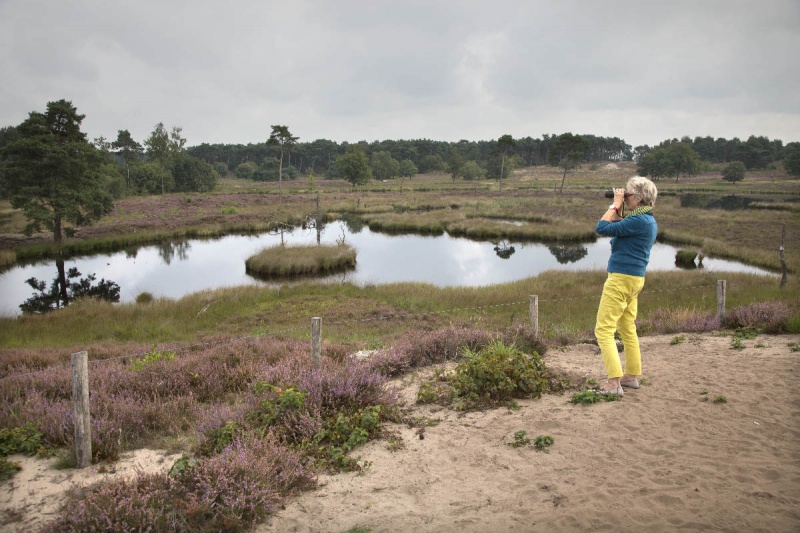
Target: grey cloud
{"type": "Point", "coordinates": [351, 70]}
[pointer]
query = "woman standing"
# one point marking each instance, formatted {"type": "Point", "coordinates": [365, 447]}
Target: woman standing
{"type": "Point", "coordinates": [633, 230]}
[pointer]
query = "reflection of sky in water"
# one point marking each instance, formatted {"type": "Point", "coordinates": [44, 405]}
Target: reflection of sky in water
{"type": "Point", "coordinates": [441, 261]}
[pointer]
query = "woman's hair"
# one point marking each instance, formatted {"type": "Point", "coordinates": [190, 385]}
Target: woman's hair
{"type": "Point", "coordinates": [644, 188]}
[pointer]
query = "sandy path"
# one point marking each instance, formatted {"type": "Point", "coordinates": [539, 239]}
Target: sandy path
{"type": "Point", "coordinates": [660, 460]}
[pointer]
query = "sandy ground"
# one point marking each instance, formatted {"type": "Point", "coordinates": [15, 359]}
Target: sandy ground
{"type": "Point", "coordinates": [665, 458]}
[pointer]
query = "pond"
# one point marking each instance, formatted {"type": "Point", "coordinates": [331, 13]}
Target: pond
{"type": "Point", "coordinates": [175, 269]}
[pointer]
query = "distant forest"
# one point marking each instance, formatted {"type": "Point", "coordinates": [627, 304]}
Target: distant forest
{"type": "Point", "coordinates": [318, 157]}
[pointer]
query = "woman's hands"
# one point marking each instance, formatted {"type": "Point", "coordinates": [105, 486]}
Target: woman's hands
{"type": "Point", "coordinates": [619, 198]}
{"type": "Point", "coordinates": [614, 212]}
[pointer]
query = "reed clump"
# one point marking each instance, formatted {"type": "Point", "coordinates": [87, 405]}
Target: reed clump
{"type": "Point", "coordinates": [287, 261]}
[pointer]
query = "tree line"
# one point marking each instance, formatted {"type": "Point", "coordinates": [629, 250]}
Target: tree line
{"type": "Point", "coordinates": [494, 159]}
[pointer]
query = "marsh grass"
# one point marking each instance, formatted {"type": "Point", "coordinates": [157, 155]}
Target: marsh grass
{"type": "Point", "coordinates": [371, 317]}
{"type": "Point", "coordinates": [283, 261]}
{"type": "Point", "coordinates": [7, 258]}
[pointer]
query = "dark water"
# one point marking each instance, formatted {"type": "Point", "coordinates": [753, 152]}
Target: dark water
{"type": "Point", "coordinates": [176, 269]}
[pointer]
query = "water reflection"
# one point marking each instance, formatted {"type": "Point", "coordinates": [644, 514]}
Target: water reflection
{"type": "Point", "coordinates": [568, 253]}
{"type": "Point", "coordinates": [503, 249]}
{"type": "Point", "coordinates": [182, 267]}
{"type": "Point", "coordinates": [168, 250]}
{"type": "Point", "coordinates": [66, 287]}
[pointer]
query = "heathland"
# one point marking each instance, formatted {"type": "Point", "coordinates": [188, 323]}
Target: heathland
{"type": "Point", "coordinates": [223, 379]}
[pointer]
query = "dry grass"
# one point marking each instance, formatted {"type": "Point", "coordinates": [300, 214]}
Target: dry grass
{"type": "Point", "coordinates": [281, 261]}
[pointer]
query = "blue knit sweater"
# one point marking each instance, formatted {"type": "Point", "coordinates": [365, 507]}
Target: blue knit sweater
{"type": "Point", "coordinates": [631, 241]}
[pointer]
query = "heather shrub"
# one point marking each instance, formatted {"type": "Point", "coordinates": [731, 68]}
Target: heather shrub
{"type": "Point", "coordinates": [446, 344]}
{"type": "Point", "coordinates": [663, 320]}
{"type": "Point", "coordinates": [137, 504]}
{"type": "Point", "coordinates": [228, 492]}
{"type": "Point", "coordinates": [766, 317]}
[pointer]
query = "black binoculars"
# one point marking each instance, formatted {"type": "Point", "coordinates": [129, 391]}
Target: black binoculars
{"type": "Point", "coordinates": [610, 194]}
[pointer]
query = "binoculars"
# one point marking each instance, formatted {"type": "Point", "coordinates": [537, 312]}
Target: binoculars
{"type": "Point", "coordinates": [610, 194]}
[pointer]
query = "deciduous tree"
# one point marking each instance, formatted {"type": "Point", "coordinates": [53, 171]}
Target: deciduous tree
{"type": "Point", "coordinates": [455, 164]}
{"type": "Point", "coordinates": [791, 161]}
{"type": "Point", "coordinates": [407, 168]}
{"type": "Point", "coordinates": [353, 166]}
{"type": "Point", "coordinates": [383, 165]}
{"type": "Point", "coordinates": [163, 147]}
{"type": "Point", "coordinates": [734, 172]}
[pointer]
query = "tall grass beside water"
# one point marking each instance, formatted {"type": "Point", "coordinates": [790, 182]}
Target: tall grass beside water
{"type": "Point", "coordinates": [7, 257]}
{"type": "Point", "coordinates": [373, 315]}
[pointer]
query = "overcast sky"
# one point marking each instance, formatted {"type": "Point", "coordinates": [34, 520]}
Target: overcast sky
{"type": "Point", "coordinates": [351, 70]}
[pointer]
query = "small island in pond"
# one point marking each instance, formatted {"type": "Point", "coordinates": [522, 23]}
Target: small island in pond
{"type": "Point", "coordinates": [291, 261]}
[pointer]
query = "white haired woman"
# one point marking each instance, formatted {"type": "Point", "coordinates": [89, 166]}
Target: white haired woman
{"type": "Point", "coordinates": [630, 223]}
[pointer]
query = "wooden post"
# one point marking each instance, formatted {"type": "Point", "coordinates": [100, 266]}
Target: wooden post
{"type": "Point", "coordinates": [80, 404]}
{"type": "Point", "coordinates": [316, 341]}
{"type": "Point", "coordinates": [534, 307]}
{"type": "Point", "coordinates": [783, 256]}
{"type": "Point", "coordinates": [721, 290]}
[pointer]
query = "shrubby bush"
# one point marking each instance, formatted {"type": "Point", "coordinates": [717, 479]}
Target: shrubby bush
{"type": "Point", "coordinates": [765, 317]}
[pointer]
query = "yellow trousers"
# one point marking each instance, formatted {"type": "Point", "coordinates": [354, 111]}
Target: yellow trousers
{"type": "Point", "coordinates": [617, 312]}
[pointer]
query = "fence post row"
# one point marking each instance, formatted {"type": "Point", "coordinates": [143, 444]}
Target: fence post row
{"type": "Point", "coordinates": [80, 406]}
{"type": "Point", "coordinates": [80, 374]}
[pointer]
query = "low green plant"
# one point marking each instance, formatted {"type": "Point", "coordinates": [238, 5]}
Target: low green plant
{"type": "Point", "coordinates": [720, 399]}
{"type": "Point", "coordinates": [498, 372]}
{"type": "Point", "coordinates": [794, 346]}
{"type": "Point", "coordinates": [26, 440]}
{"type": "Point", "coordinates": [746, 333]}
{"type": "Point", "coordinates": [429, 393]}
{"type": "Point", "coordinates": [342, 434]}
{"type": "Point", "coordinates": [592, 396]}
{"type": "Point", "coordinates": [513, 406]}
{"type": "Point", "coordinates": [220, 438]}
{"type": "Point", "coordinates": [152, 357]}
{"type": "Point", "coordinates": [8, 468]}
{"type": "Point", "coordinates": [677, 340]}
{"type": "Point", "coordinates": [520, 439]}
{"type": "Point", "coordinates": [543, 443]}
{"type": "Point", "coordinates": [182, 465]}
{"type": "Point", "coordinates": [737, 343]}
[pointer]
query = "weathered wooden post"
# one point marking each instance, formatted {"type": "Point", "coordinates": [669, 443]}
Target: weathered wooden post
{"type": "Point", "coordinates": [783, 256]}
{"type": "Point", "coordinates": [721, 290]}
{"type": "Point", "coordinates": [534, 307]}
{"type": "Point", "coordinates": [316, 341]}
{"type": "Point", "coordinates": [80, 405]}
